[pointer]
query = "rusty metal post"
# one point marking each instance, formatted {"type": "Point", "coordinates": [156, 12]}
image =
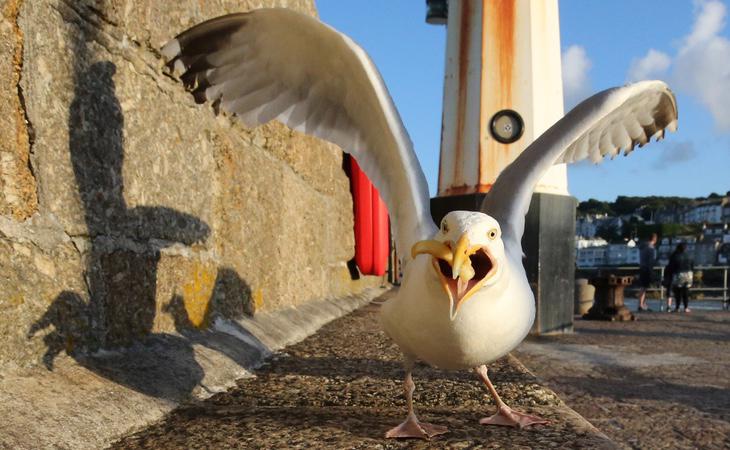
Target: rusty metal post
{"type": "Point", "coordinates": [609, 299]}
{"type": "Point", "coordinates": [502, 55]}
{"type": "Point", "coordinates": [502, 89]}
{"type": "Point", "coordinates": [725, 301]}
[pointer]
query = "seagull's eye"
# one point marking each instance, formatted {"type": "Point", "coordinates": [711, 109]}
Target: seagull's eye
{"type": "Point", "coordinates": [444, 227]}
{"type": "Point", "coordinates": [492, 234]}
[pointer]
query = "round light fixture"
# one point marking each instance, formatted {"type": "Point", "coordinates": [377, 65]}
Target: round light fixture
{"type": "Point", "coordinates": [507, 126]}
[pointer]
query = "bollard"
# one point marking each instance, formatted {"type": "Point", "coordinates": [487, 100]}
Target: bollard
{"type": "Point", "coordinates": [583, 296]}
{"type": "Point", "coordinates": [609, 302]}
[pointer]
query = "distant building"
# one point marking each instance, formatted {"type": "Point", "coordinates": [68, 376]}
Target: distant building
{"type": "Point", "coordinates": [667, 216]}
{"type": "Point", "coordinates": [604, 254]}
{"type": "Point", "coordinates": [711, 247]}
{"type": "Point", "coordinates": [588, 226]}
{"type": "Point", "coordinates": [667, 246]}
{"type": "Point", "coordinates": [583, 242]}
{"type": "Point", "coordinates": [723, 253]}
{"type": "Point", "coordinates": [591, 256]}
{"type": "Point", "coordinates": [709, 243]}
{"type": "Point", "coordinates": [714, 231]}
{"type": "Point", "coordinates": [711, 211]}
{"type": "Point", "coordinates": [611, 222]}
{"type": "Point", "coordinates": [622, 255]}
{"type": "Point", "coordinates": [663, 250]}
{"type": "Point", "coordinates": [705, 253]}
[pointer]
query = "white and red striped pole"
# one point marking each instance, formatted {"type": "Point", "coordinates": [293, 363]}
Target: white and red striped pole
{"type": "Point", "coordinates": [503, 72]}
{"type": "Point", "coordinates": [502, 89]}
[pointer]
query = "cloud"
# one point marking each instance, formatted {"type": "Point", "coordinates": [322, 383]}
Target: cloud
{"type": "Point", "coordinates": [576, 84]}
{"type": "Point", "coordinates": [709, 21]}
{"type": "Point", "coordinates": [702, 65]}
{"type": "Point", "coordinates": [674, 153]}
{"type": "Point", "coordinates": [652, 66]}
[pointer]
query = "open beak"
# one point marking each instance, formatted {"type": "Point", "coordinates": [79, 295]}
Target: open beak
{"type": "Point", "coordinates": [462, 269]}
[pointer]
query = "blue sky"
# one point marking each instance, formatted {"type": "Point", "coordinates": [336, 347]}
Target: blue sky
{"type": "Point", "coordinates": [604, 44]}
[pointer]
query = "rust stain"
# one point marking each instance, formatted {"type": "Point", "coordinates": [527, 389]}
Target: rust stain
{"type": "Point", "coordinates": [482, 100]}
{"type": "Point", "coordinates": [464, 45]}
{"type": "Point", "coordinates": [465, 189]}
{"type": "Point", "coordinates": [499, 22]}
{"type": "Point", "coordinates": [11, 9]}
{"type": "Point", "coordinates": [440, 184]}
{"type": "Point", "coordinates": [504, 33]}
{"type": "Point", "coordinates": [482, 188]}
{"type": "Point", "coordinates": [23, 181]}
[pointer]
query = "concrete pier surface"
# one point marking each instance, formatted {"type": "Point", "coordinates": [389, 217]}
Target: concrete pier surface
{"type": "Point", "coordinates": [662, 381]}
{"type": "Point", "coordinates": [87, 401]}
{"type": "Point", "coordinates": [342, 388]}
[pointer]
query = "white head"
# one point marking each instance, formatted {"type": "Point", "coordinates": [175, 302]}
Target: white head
{"type": "Point", "coordinates": [467, 255]}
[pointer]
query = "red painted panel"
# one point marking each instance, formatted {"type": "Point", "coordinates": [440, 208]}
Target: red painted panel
{"type": "Point", "coordinates": [362, 200]}
{"type": "Point", "coordinates": [380, 235]}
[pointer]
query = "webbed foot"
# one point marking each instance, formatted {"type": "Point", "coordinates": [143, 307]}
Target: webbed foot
{"type": "Point", "coordinates": [506, 416]}
{"type": "Point", "coordinates": [413, 428]}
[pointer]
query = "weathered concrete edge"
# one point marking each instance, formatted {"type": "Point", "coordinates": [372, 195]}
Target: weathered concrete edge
{"type": "Point", "coordinates": [74, 407]}
{"type": "Point", "coordinates": [267, 332]}
{"type": "Point", "coordinates": [571, 416]}
{"type": "Point", "coordinates": [285, 327]}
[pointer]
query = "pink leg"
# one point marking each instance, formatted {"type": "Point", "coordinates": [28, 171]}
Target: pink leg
{"type": "Point", "coordinates": [412, 427]}
{"type": "Point", "coordinates": [505, 415]}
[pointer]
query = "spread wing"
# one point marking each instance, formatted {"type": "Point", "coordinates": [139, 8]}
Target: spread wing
{"type": "Point", "coordinates": [279, 64]}
{"type": "Point", "coordinates": [604, 124]}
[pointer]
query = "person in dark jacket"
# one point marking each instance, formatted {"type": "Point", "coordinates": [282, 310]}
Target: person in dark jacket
{"type": "Point", "coordinates": [667, 283]}
{"type": "Point", "coordinates": [681, 266]}
{"type": "Point", "coordinates": [647, 259]}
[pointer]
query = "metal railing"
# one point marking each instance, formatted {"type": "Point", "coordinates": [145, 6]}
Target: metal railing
{"type": "Point", "coordinates": [721, 293]}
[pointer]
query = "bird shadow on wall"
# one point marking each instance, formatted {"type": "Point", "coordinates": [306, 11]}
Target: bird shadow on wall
{"type": "Point", "coordinates": [122, 260]}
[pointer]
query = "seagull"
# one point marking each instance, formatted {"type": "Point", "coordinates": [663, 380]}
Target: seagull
{"type": "Point", "coordinates": [464, 299]}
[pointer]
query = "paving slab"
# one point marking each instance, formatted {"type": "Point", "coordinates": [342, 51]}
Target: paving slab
{"type": "Point", "coordinates": [660, 382]}
{"type": "Point", "coordinates": [87, 401]}
{"type": "Point", "coordinates": [342, 388]}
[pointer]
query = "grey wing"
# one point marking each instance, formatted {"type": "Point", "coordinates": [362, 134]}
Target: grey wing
{"type": "Point", "coordinates": [604, 124]}
{"type": "Point", "coordinates": [278, 64]}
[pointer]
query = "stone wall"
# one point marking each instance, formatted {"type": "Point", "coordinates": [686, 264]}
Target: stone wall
{"type": "Point", "coordinates": [126, 209]}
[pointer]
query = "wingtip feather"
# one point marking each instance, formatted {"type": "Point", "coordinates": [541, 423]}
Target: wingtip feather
{"type": "Point", "coordinates": [178, 67]}
{"type": "Point", "coordinates": [171, 49]}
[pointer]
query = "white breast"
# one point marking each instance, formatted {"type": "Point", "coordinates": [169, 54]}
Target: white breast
{"type": "Point", "coordinates": [489, 324]}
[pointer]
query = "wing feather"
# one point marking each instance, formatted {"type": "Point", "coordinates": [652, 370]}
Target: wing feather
{"type": "Point", "coordinates": [278, 64]}
{"type": "Point", "coordinates": [606, 123]}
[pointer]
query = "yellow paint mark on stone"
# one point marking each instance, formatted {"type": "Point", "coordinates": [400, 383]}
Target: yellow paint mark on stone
{"type": "Point", "coordinates": [197, 295]}
{"type": "Point", "coordinates": [16, 300]}
{"type": "Point", "coordinates": [258, 299]}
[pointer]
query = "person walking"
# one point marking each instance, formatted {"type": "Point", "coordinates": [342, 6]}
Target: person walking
{"type": "Point", "coordinates": [647, 258]}
{"type": "Point", "coordinates": [682, 266]}
{"type": "Point", "coordinates": [667, 283]}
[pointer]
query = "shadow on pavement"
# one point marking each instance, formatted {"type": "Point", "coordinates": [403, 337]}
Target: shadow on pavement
{"type": "Point", "coordinates": [654, 333]}
{"type": "Point", "coordinates": [625, 384]}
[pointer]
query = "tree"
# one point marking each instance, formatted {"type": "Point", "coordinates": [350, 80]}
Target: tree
{"type": "Point", "coordinates": [593, 206]}
{"type": "Point", "coordinates": [610, 232]}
